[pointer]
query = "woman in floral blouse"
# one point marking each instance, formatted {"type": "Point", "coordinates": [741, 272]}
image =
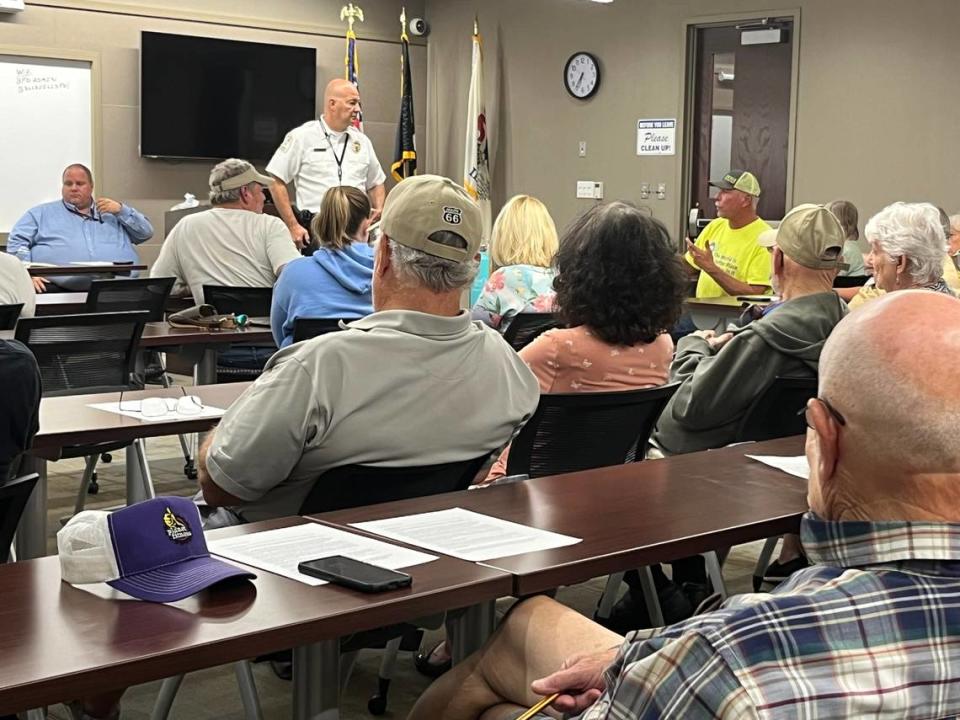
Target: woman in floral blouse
{"type": "Point", "coordinates": [619, 288]}
{"type": "Point", "coordinates": [522, 246]}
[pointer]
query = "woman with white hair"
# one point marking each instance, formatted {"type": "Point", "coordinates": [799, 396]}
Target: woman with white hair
{"type": "Point", "coordinates": [908, 247]}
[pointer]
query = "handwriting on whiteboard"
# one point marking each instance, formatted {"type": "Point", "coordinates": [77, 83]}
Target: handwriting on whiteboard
{"type": "Point", "coordinates": [30, 81]}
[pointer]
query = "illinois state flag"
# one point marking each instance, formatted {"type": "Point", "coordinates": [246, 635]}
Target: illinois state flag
{"type": "Point", "coordinates": [476, 163]}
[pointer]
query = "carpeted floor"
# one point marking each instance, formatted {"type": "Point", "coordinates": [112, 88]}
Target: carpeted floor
{"type": "Point", "coordinates": [212, 693]}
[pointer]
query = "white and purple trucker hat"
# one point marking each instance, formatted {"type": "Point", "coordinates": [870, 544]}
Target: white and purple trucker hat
{"type": "Point", "coordinates": [153, 550]}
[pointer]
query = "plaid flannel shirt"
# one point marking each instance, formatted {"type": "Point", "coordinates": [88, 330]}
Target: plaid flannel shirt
{"type": "Point", "coordinates": [871, 630]}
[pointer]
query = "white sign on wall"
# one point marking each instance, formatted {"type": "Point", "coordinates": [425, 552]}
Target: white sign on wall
{"type": "Point", "coordinates": [657, 137]}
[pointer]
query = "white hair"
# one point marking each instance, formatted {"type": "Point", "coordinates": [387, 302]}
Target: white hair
{"type": "Point", "coordinates": [224, 171]}
{"type": "Point", "coordinates": [434, 273]}
{"type": "Point", "coordinates": [913, 231]}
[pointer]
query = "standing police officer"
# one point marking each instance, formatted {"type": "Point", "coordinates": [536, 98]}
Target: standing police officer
{"type": "Point", "coordinates": [325, 153]}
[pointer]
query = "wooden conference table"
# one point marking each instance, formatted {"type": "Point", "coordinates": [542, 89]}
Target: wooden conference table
{"type": "Point", "coordinates": [67, 420]}
{"type": "Point", "coordinates": [62, 642]}
{"type": "Point", "coordinates": [629, 515]}
{"type": "Point", "coordinates": [99, 269]}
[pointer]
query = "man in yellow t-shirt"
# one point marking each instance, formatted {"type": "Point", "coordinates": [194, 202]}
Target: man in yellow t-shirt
{"type": "Point", "coordinates": [726, 256]}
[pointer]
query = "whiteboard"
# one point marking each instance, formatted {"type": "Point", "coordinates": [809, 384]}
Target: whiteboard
{"type": "Point", "coordinates": [46, 113]}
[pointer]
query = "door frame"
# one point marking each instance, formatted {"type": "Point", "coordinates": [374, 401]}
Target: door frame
{"type": "Point", "coordinates": [688, 86]}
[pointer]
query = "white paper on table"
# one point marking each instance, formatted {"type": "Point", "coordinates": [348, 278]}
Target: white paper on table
{"type": "Point", "coordinates": [281, 551]}
{"type": "Point", "coordinates": [207, 411]}
{"type": "Point", "coordinates": [796, 466]}
{"type": "Point", "coordinates": [95, 263]}
{"type": "Point", "coordinates": [467, 535]}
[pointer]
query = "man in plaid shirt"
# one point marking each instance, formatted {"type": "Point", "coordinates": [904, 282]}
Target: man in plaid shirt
{"type": "Point", "coordinates": [872, 628]}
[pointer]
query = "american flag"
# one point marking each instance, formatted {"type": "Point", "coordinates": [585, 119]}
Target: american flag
{"type": "Point", "coordinates": [352, 66]}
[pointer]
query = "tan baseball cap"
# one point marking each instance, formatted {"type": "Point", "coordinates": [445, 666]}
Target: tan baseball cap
{"type": "Point", "coordinates": [741, 180]}
{"type": "Point", "coordinates": [809, 235]}
{"type": "Point", "coordinates": [424, 204]}
{"type": "Point", "coordinates": [250, 175]}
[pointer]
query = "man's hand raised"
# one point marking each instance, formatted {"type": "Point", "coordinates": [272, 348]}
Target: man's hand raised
{"type": "Point", "coordinates": [106, 205]}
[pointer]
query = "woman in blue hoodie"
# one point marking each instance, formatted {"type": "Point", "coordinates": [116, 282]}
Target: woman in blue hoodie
{"type": "Point", "coordinates": [335, 281]}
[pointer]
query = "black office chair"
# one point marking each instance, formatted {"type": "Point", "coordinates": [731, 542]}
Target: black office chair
{"type": "Point", "coordinates": [849, 281]}
{"type": "Point", "coordinates": [151, 295]}
{"type": "Point", "coordinates": [345, 487]}
{"type": "Point", "coordinates": [775, 414]}
{"type": "Point", "coordinates": [85, 354]}
{"type": "Point", "coordinates": [306, 328]}
{"type": "Point", "coordinates": [526, 326]}
{"type": "Point", "coordinates": [580, 431]}
{"type": "Point", "coordinates": [126, 294]}
{"type": "Point", "coordinates": [254, 302]}
{"type": "Point", "coordinates": [249, 301]}
{"type": "Point", "coordinates": [9, 315]}
{"type": "Point", "coordinates": [13, 499]}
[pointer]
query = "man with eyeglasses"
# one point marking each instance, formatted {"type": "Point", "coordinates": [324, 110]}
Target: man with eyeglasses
{"type": "Point", "coordinates": [871, 628]}
{"type": "Point", "coordinates": [78, 228]}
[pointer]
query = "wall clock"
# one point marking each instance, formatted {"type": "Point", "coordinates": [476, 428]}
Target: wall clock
{"type": "Point", "coordinates": [581, 75]}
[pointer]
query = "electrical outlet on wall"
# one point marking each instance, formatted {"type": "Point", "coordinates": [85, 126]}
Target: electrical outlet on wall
{"type": "Point", "coordinates": [662, 191]}
{"type": "Point", "coordinates": [644, 191]}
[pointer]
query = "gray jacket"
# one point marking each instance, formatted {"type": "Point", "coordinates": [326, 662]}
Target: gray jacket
{"type": "Point", "coordinates": [719, 386]}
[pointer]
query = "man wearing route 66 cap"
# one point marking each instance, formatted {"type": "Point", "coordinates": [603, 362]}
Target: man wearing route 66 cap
{"type": "Point", "coordinates": [414, 383]}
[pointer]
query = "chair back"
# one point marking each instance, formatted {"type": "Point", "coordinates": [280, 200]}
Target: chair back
{"type": "Point", "coordinates": [125, 294]}
{"type": "Point", "coordinates": [355, 485]}
{"type": "Point", "coordinates": [306, 328]}
{"type": "Point", "coordinates": [776, 411]}
{"type": "Point", "coordinates": [580, 431]}
{"type": "Point", "coordinates": [849, 281]}
{"type": "Point", "coordinates": [13, 499]}
{"type": "Point", "coordinates": [9, 315]}
{"type": "Point", "coordinates": [526, 326]}
{"type": "Point", "coordinates": [87, 353]}
{"type": "Point", "coordinates": [249, 301]}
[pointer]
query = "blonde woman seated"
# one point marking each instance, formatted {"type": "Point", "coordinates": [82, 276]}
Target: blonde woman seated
{"type": "Point", "coordinates": [522, 246]}
{"type": "Point", "coordinates": [620, 287]}
{"type": "Point", "coordinates": [908, 248]}
{"type": "Point", "coordinates": [336, 281]}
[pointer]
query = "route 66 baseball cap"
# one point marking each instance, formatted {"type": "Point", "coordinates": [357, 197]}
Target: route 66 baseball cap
{"type": "Point", "coordinates": [424, 204]}
{"type": "Point", "coordinates": [153, 550]}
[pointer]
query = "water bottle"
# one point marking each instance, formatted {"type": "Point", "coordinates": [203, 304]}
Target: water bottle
{"type": "Point", "coordinates": [23, 254]}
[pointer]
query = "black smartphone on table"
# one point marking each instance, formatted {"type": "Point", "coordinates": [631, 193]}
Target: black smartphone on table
{"type": "Point", "coordinates": [355, 574]}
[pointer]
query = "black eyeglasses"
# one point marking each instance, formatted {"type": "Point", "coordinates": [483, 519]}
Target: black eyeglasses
{"type": "Point", "coordinates": [834, 413]}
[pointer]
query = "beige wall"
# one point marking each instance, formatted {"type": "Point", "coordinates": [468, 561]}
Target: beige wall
{"type": "Point", "coordinates": [112, 29]}
{"type": "Point", "coordinates": [876, 101]}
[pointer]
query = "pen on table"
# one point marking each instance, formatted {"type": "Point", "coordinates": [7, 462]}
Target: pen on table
{"type": "Point", "coordinates": [539, 706]}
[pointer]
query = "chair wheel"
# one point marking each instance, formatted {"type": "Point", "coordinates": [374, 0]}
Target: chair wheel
{"type": "Point", "coordinates": [190, 470]}
{"type": "Point", "coordinates": [377, 704]}
{"type": "Point", "coordinates": [94, 487]}
{"type": "Point", "coordinates": [106, 457]}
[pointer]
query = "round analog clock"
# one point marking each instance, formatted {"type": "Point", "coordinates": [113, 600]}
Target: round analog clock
{"type": "Point", "coordinates": [581, 75]}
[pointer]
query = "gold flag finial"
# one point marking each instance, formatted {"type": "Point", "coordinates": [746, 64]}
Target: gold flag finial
{"type": "Point", "coordinates": [350, 13]}
{"type": "Point", "coordinates": [476, 25]}
{"type": "Point", "coordinates": [403, 20]}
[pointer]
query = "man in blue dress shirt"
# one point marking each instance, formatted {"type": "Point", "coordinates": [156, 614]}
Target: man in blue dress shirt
{"type": "Point", "coordinates": [78, 228]}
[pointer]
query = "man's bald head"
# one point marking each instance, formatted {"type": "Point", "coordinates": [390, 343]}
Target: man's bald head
{"type": "Point", "coordinates": [889, 370]}
{"type": "Point", "coordinates": [341, 102]}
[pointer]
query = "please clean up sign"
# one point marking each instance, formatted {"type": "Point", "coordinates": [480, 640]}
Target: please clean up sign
{"type": "Point", "coordinates": [656, 137]}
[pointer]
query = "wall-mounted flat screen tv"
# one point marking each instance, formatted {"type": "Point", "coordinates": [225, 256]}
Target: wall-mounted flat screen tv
{"type": "Point", "coordinates": [208, 98]}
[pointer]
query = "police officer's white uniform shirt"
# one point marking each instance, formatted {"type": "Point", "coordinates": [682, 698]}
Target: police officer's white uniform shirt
{"type": "Point", "coordinates": [308, 156]}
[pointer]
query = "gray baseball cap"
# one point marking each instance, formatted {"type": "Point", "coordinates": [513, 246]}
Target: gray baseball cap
{"type": "Point", "coordinates": [250, 175]}
{"type": "Point", "coordinates": [424, 204]}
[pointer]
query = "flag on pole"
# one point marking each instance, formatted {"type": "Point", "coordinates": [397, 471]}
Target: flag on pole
{"type": "Point", "coordinates": [476, 163]}
{"type": "Point", "coordinates": [352, 66]}
{"type": "Point", "coordinates": [405, 151]}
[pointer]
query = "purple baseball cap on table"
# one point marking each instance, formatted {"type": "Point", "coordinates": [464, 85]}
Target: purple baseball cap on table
{"type": "Point", "coordinates": [154, 550]}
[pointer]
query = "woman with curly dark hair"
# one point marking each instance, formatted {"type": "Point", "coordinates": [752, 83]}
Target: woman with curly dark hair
{"type": "Point", "coordinates": [619, 288]}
